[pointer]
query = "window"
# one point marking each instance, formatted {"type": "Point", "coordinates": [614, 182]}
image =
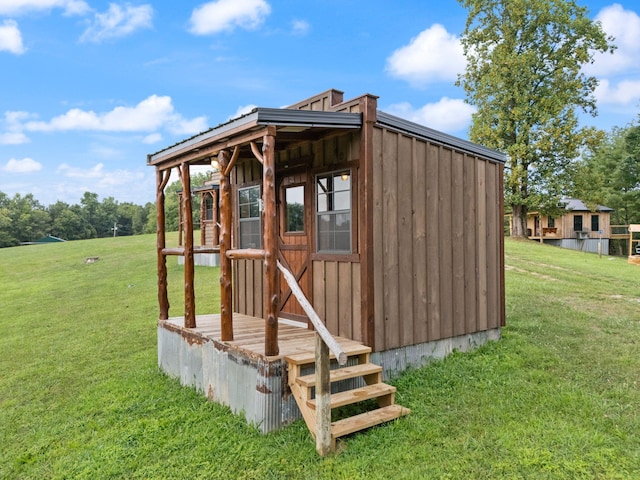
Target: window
{"type": "Point", "coordinates": [551, 222]}
{"type": "Point", "coordinates": [577, 223]}
{"type": "Point", "coordinates": [294, 202]}
{"type": "Point", "coordinates": [595, 223]}
{"type": "Point", "coordinates": [208, 206]}
{"type": "Point", "coordinates": [333, 212]}
{"type": "Point", "coordinates": [249, 217]}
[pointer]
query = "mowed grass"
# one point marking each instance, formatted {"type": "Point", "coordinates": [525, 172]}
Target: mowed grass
{"type": "Point", "coordinates": [81, 395]}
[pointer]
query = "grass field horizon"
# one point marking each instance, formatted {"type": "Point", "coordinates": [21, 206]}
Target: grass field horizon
{"type": "Point", "coordinates": [81, 395]}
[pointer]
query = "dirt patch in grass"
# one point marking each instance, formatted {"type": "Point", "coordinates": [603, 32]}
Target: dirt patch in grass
{"type": "Point", "coordinates": [530, 272]}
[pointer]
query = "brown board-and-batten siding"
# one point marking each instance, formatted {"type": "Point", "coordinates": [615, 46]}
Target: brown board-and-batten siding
{"type": "Point", "coordinates": [437, 243]}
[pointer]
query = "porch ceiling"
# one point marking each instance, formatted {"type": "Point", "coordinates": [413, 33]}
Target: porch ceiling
{"type": "Point", "coordinates": [289, 127]}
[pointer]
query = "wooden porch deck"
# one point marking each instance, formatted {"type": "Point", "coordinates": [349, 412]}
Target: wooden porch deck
{"type": "Point", "coordinates": [249, 335]}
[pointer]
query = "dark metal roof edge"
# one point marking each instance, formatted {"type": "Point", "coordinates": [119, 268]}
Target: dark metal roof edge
{"type": "Point", "coordinates": [269, 116]}
{"type": "Point", "coordinates": [284, 117]}
{"type": "Point", "coordinates": [220, 129]}
{"type": "Point", "coordinates": [389, 120]}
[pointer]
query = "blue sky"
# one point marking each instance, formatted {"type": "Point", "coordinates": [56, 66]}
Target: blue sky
{"type": "Point", "coordinates": [88, 88]}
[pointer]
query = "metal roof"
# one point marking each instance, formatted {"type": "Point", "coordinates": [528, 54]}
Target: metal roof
{"type": "Point", "coordinates": [578, 206]}
{"type": "Point", "coordinates": [435, 136]}
{"type": "Point", "coordinates": [279, 117]}
{"type": "Point", "coordinates": [290, 120]}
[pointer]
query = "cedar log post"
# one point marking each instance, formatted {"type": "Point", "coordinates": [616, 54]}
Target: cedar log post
{"type": "Point", "coordinates": [163, 299]}
{"type": "Point", "coordinates": [226, 315]}
{"type": "Point", "coordinates": [270, 245]}
{"type": "Point", "coordinates": [215, 220]}
{"type": "Point", "coordinates": [203, 217]}
{"type": "Point", "coordinates": [187, 217]}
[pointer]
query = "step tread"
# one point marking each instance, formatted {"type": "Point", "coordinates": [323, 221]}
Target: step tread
{"type": "Point", "coordinates": [367, 419]}
{"type": "Point", "coordinates": [305, 358]}
{"type": "Point", "coordinates": [357, 395]}
{"type": "Point", "coordinates": [343, 373]}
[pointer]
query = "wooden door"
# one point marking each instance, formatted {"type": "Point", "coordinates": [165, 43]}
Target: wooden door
{"type": "Point", "coordinates": [293, 241]}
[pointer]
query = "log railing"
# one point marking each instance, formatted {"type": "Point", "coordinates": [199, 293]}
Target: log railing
{"type": "Point", "coordinates": [324, 343]}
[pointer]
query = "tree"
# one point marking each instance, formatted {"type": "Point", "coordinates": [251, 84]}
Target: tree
{"type": "Point", "coordinates": [610, 175]}
{"type": "Point", "coordinates": [524, 61]}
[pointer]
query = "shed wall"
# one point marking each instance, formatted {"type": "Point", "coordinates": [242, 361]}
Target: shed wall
{"type": "Point", "coordinates": [437, 241]}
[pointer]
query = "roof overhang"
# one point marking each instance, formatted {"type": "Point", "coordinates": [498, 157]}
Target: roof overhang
{"type": "Point", "coordinates": [287, 125]}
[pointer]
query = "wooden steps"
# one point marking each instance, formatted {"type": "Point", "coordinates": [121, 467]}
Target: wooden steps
{"type": "Point", "coordinates": [303, 389]}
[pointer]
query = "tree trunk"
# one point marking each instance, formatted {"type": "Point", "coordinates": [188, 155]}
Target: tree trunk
{"type": "Point", "coordinates": [519, 221]}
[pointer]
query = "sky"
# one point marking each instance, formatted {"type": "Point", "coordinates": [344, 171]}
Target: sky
{"type": "Point", "coordinates": [88, 88]}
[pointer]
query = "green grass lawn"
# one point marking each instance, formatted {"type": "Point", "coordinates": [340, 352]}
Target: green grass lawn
{"type": "Point", "coordinates": [81, 395]}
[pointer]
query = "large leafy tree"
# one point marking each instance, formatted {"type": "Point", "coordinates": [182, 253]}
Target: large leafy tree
{"type": "Point", "coordinates": [524, 75]}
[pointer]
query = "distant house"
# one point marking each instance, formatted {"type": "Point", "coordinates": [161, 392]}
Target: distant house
{"type": "Point", "coordinates": [578, 229]}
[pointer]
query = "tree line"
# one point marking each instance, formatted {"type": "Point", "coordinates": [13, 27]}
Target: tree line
{"type": "Point", "coordinates": [24, 219]}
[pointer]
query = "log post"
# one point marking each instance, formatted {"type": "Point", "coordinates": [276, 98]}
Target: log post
{"type": "Point", "coordinates": [215, 219]}
{"type": "Point", "coordinates": [270, 245]}
{"type": "Point", "coordinates": [187, 217]}
{"type": "Point", "coordinates": [180, 214]}
{"type": "Point", "coordinates": [226, 315]}
{"type": "Point", "coordinates": [203, 217]}
{"type": "Point", "coordinates": [163, 298]}
{"type": "Point", "coordinates": [323, 398]}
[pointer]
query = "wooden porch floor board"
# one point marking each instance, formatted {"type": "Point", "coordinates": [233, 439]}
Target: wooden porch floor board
{"type": "Point", "coordinates": [248, 334]}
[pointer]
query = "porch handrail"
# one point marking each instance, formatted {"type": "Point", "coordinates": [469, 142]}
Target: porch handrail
{"type": "Point", "coordinates": [327, 338]}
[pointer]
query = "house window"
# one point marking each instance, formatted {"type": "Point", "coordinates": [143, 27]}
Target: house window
{"type": "Point", "coordinates": [249, 217]}
{"type": "Point", "coordinates": [551, 222]}
{"type": "Point", "coordinates": [333, 212]}
{"type": "Point", "coordinates": [577, 223]}
{"type": "Point", "coordinates": [294, 201]}
{"type": "Point", "coordinates": [595, 223]}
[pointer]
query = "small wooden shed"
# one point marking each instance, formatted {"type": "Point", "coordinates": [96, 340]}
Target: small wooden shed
{"type": "Point", "coordinates": [392, 231]}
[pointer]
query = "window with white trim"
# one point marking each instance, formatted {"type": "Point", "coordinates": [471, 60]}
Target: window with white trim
{"type": "Point", "coordinates": [250, 231]}
{"type": "Point", "coordinates": [333, 212]}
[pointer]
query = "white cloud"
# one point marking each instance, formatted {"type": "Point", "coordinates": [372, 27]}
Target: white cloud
{"type": "Point", "coordinates": [14, 135]}
{"type": "Point", "coordinates": [242, 110]}
{"type": "Point", "coordinates": [11, 38]}
{"type": "Point", "coordinates": [447, 115]}
{"type": "Point", "coordinates": [624, 26]}
{"type": "Point", "coordinates": [74, 172]}
{"type": "Point", "coordinates": [17, 7]}
{"type": "Point", "coordinates": [434, 55]}
{"type": "Point", "coordinates": [13, 138]}
{"type": "Point", "coordinates": [624, 93]}
{"type": "Point", "coordinates": [300, 27]}
{"type": "Point", "coordinates": [152, 138]}
{"type": "Point", "coordinates": [123, 184]}
{"type": "Point", "coordinates": [149, 115]}
{"type": "Point", "coordinates": [225, 15]}
{"type": "Point", "coordinates": [118, 21]}
{"type": "Point", "coordinates": [26, 165]}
